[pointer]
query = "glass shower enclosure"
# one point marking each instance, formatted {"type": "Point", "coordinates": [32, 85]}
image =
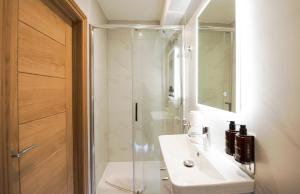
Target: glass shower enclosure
{"type": "Point", "coordinates": [135, 96]}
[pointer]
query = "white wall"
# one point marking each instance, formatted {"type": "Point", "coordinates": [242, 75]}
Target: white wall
{"type": "Point", "coordinates": [95, 16]}
{"type": "Point", "coordinates": [84, 6]}
{"type": "Point", "coordinates": [269, 54]}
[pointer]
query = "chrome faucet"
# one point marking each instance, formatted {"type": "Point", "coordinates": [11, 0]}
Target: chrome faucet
{"type": "Point", "coordinates": [186, 126]}
{"type": "Point", "coordinates": [204, 132]}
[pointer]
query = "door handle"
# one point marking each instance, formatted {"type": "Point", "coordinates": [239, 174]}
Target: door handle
{"type": "Point", "coordinates": [136, 111]}
{"type": "Point", "coordinates": [23, 152]}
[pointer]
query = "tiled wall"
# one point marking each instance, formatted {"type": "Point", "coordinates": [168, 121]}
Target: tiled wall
{"type": "Point", "coordinates": [120, 94]}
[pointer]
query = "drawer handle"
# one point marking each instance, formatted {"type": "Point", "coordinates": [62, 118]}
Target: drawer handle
{"type": "Point", "coordinates": [165, 179]}
{"type": "Point", "coordinates": [25, 151]}
{"type": "Point", "coordinates": [163, 168]}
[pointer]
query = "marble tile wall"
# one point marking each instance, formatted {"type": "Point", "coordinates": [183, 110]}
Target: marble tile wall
{"type": "Point", "coordinates": [120, 94]}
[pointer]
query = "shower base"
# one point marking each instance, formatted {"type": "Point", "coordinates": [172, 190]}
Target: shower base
{"type": "Point", "coordinates": [118, 178]}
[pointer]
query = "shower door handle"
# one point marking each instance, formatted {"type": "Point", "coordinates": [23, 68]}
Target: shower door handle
{"type": "Point", "coordinates": [136, 112]}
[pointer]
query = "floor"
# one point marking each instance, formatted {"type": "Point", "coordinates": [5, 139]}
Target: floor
{"type": "Point", "coordinates": [120, 174]}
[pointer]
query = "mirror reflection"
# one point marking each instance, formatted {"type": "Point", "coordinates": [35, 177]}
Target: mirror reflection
{"type": "Point", "coordinates": [216, 62]}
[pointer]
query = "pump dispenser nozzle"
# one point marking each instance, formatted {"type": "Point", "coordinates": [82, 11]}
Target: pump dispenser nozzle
{"type": "Point", "coordinates": [243, 130]}
{"type": "Point", "coordinates": [230, 138]}
{"type": "Point", "coordinates": [231, 125]}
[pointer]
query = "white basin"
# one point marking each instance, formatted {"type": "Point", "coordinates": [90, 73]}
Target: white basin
{"type": "Point", "coordinates": [213, 172]}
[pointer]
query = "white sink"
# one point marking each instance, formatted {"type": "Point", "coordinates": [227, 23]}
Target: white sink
{"type": "Point", "coordinates": [213, 172]}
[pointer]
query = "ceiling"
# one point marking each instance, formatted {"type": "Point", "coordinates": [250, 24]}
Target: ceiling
{"type": "Point", "coordinates": [219, 11]}
{"type": "Point", "coordinates": [132, 10]}
{"type": "Point", "coordinates": [174, 11]}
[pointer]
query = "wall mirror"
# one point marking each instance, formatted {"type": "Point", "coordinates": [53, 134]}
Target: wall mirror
{"type": "Point", "coordinates": [173, 71]}
{"type": "Point", "coordinates": [216, 56]}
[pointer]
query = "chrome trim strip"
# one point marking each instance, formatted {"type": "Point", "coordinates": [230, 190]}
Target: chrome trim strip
{"type": "Point", "coordinates": [91, 99]}
{"type": "Point", "coordinates": [139, 26]}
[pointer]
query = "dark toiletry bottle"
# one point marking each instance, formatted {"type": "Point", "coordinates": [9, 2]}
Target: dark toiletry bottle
{"type": "Point", "coordinates": [230, 138]}
{"type": "Point", "coordinates": [244, 146]}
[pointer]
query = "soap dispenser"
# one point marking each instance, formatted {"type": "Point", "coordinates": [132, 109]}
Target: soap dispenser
{"type": "Point", "coordinates": [230, 138]}
{"type": "Point", "coordinates": [244, 146]}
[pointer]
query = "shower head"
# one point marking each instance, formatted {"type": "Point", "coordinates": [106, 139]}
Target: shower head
{"type": "Point", "coordinates": [163, 33]}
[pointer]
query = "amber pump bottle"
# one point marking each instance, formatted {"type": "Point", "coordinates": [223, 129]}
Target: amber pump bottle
{"type": "Point", "coordinates": [244, 146]}
{"type": "Point", "coordinates": [230, 138]}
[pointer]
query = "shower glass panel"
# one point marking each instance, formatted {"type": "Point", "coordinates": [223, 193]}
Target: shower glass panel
{"type": "Point", "coordinates": [111, 131]}
{"type": "Point", "coordinates": [136, 96]}
{"type": "Point", "coordinates": [157, 98]}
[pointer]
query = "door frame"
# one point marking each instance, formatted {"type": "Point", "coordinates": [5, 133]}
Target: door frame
{"type": "Point", "coordinates": [9, 166]}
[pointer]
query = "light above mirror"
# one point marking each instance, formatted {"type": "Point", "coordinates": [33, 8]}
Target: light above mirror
{"type": "Point", "coordinates": [216, 55]}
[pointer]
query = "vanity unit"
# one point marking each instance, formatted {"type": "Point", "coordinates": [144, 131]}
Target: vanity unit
{"type": "Point", "coordinates": [192, 169]}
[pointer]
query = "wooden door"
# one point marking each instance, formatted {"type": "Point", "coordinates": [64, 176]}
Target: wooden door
{"type": "Point", "coordinates": [44, 99]}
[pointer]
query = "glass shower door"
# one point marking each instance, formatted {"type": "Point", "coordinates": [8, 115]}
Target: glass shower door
{"type": "Point", "coordinates": [157, 106]}
{"type": "Point", "coordinates": [135, 97]}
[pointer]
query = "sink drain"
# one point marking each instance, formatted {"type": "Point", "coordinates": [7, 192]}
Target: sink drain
{"type": "Point", "coordinates": [188, 163]}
